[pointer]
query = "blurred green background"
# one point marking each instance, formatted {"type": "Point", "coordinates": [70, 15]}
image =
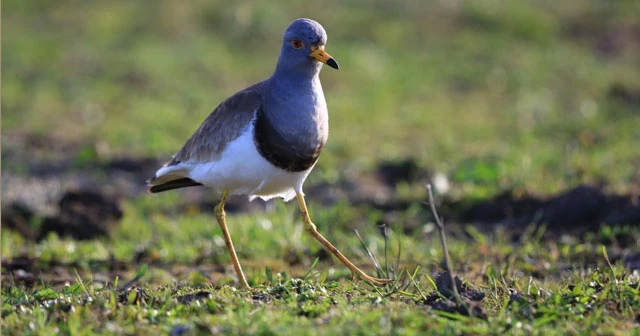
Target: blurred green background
{"type": "Point", "coordinates": [486, 96]}
{"type": "Point", "coordinates": [536, 95]}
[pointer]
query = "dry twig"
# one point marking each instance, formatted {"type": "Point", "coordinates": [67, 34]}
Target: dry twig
{"type": "Point", "coordinates": [445, 248]}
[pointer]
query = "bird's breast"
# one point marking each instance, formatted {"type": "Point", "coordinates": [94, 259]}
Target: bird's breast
{"type": "Point", "coordinates": [292, 143]}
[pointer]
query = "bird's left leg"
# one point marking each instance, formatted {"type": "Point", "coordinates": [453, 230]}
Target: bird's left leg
{"type": "Point", "coordinates": [220, 216]}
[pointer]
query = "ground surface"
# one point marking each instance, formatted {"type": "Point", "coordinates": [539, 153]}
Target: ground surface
{"type": "Point", "coordinates": [523, 115]}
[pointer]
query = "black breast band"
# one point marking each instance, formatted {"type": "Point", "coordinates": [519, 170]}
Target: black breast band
{"type": "Point", "coordinates": [280, 152]}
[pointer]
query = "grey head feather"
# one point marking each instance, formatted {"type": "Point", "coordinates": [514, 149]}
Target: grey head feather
{"type": "Point", "coordinates": [307, 30]}
{"type": "Point", "coordinates": [297, 62]}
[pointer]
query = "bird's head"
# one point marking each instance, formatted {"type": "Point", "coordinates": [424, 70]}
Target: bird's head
{"type": "Point", "coordinates": [303, 47]}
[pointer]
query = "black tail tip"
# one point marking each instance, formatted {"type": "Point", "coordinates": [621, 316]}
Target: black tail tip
{"type": "Point", "coordinates": [175, 184]}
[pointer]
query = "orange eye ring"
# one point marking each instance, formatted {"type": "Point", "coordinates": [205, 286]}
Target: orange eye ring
{"type": "Point", "coordinates": [296, 44]}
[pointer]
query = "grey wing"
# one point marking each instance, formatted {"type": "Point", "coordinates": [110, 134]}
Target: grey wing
{"type": "Point", "coordinates": [222, 126]}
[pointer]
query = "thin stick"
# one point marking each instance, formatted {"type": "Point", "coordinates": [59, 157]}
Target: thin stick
{"type": "Point", "coordinates": [445, 248]}
{"type": "Point", "coordinates": [373, 258]}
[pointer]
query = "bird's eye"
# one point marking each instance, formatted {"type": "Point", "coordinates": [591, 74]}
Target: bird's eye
{"type": "Point", "coordinates": [296, 44]}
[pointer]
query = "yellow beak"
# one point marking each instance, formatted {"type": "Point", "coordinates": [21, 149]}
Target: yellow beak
{"type": "Point", "coordinates": [320, 55]}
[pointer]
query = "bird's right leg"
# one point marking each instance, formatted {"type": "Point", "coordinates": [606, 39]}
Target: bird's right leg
{"type": "Point", "coordinates": [311, 228]}
{"type": "Point", "coordinates": [220, 216]}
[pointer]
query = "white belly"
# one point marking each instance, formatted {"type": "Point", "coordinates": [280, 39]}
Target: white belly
{"type": "Point", "coordinates": [242, 171]}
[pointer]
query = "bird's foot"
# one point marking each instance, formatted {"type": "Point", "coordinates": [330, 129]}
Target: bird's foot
{"type": "Point", "coordinates": [374, 281]}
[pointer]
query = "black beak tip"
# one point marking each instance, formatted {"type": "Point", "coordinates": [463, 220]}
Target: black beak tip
{"type": "Point", "coordinates": [332, 63]}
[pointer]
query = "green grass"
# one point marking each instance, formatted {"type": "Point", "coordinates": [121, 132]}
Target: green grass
{"type": "Point", "coordinates": [537, 286]}
{"type": "Point", "coordinates": [493, 95]}
{"type": "Point", "coordinates": [183, 278]}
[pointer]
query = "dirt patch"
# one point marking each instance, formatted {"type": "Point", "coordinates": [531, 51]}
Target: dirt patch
{"type": "Point", "coordinates": [188, 298]}
{"type": "Point", "coordinates": [625, 94]}
{"type": "Point", "coordinates": [17, 217]}
{"type": "Point", "coordinates": [81, 214]}
{"type": "Point", "coordinates": [393, 172]}
{"type": "Point", "coordinates": [608, 37]}
{"type": "Point", "coordinates": [583, 208]}
{"type": "Point", "coordinates": [30, 271]}
{"type": "Point", "coordinates": [133, 295]}
{"type": "Point", "coordinates": [444, 299]}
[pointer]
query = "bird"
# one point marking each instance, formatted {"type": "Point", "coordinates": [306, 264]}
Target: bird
{"type": "Point", "coordinates": [264, 140]}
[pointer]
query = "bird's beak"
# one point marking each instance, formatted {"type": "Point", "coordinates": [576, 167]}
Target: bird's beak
{"type": "Point", "coordinates": [320, 55]}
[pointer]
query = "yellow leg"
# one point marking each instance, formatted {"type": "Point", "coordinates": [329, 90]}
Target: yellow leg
{"type": "Point", "coordinates": [220, 216]}
{"type": "Point", "coordinates": [311, 228]}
